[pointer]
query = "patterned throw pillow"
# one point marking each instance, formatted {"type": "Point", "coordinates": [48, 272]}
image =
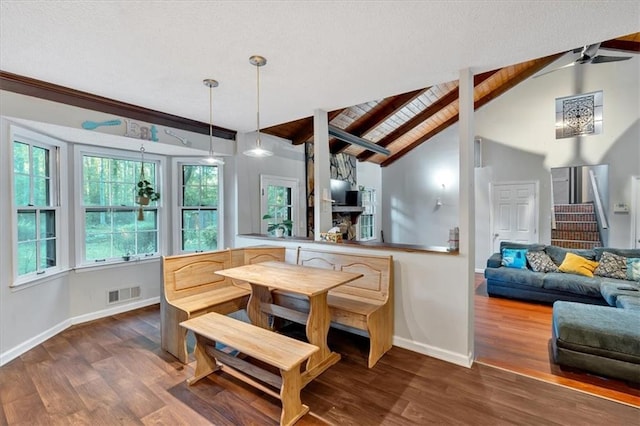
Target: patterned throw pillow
{"type": "Point", "coordinates": [541, 262]}
{"type": "Point", "coordinates": [633, 269]}
{"type": "Point", "coordinates": [574, 264]}
{"type": "Point", "coordinates": [612, 266]}
{"type": "Point", "coordinates": [514, 258]}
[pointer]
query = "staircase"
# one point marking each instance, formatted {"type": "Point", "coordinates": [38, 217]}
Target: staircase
{"type": "Point", "coordinates": [576, 226]}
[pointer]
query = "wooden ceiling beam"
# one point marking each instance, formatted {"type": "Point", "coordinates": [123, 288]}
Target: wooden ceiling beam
{"type": "Point", "coordinates": [424, 115]}
{"type": "Point", "coordinates": [65, 95]}
{"type": "Point", "coordinates": [306, 132]}
{"type": "Point", "coordinates": [378, 115]}
{"type": "Point", "coordinates": [621, 45]}
{"type": "Point", "coordinates": [518, 78]}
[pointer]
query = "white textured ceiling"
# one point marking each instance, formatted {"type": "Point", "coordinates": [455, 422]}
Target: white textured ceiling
{"type": "Point", "coordinates": [321, 54]}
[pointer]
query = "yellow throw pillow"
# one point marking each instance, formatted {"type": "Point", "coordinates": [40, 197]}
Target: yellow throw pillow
{"type": "Point", "coordinates": [574, 264]}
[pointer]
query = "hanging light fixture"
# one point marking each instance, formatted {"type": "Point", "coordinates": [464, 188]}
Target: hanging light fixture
{"type": "Point", "coordinates": [258, 150]}
{"type": "Point", "coordinates": [211, 159]}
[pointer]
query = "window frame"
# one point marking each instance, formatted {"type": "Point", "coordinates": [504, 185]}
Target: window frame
{"type": "Point", "coordinates": [80, 210]}
{"type": "Point", "coordinates": [176, 193]}
{"type": "Point", "coordinates": [283, 181]}
{"type": "Point", "coordinates": [369, 205]}
{"type": "Point", "coordinates": [59, 184]}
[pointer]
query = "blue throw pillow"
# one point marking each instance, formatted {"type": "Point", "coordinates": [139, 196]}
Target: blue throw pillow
{"type": "Point", "coordinates": [633, 269]}
{"type": "Point", "coordinates": [514, 258]}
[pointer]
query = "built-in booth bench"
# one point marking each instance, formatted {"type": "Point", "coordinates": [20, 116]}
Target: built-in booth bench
{"type": "Point", "coordinates": [365, 304]}
{"type": "Point", "coordinates": [192, 288]}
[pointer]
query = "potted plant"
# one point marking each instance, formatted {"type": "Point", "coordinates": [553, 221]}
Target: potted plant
{"type": "Point", "coordinates": [146, 192]}
{"type": "Point", "coordinates": [278, 228]}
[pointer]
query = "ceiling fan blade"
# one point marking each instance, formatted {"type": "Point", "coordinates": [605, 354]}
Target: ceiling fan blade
{"type": "Point", "coordinates": [602, 59]}
{"type": "Point", "coordinates": [572, 64]}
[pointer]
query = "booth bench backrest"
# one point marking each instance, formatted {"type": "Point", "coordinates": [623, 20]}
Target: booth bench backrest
{"type": "Point", "coordinates": [376, 270]}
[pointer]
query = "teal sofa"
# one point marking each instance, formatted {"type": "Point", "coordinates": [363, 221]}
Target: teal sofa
{"type": "Point", "coordinates": [548, 287]}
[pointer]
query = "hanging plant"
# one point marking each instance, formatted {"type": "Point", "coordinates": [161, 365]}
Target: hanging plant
{"type": "Point", "coordinates": [144, 189]}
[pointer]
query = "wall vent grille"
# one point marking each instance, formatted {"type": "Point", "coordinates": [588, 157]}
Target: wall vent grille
{"type": "Point", "coordinates": [120, 295]}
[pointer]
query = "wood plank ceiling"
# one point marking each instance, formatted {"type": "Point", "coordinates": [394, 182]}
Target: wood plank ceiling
{"type": "Point", "coordinates": [403, 122]}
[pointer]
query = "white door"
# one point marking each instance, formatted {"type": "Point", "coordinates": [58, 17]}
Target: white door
{"type": "Point", "coordinates": [635, 221]}
{"type": "Point", "coordinates": [514, 213]}
{"type": "Point", "coordinates": [279, 200]}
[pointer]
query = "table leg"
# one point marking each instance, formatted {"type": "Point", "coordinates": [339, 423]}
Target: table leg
{"type": "Point", "coordinates": [259, 295]}
{"type": "Point", "coordinates": [318, 324]}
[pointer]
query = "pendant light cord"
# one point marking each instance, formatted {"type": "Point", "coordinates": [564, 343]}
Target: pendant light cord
{"type": "Point", "coordinates": [211, 121]}
{"type": "Point", "coordinates": [258, 142]}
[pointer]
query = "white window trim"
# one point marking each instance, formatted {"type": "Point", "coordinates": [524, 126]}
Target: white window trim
{"type": "Point", "coordinates": [62, 211]}
{"type": "Point", "coordinates": [176, 163]}
{"type": "Point", "coordinates": [79, 151]}
{"type": "Point", "coordinates": [294, 184]}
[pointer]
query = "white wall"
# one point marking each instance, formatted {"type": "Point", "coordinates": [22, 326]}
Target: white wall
{"type": "Point", "coordinates": [411, 187]}
{"type": "Point", "coordinates": [287, 161]}
{"type": "Point", "coordinates": [518, 134]}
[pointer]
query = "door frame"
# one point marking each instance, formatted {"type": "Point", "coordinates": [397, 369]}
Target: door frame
{"type": "Point", "coordinates": [635, 208]}
{"type": "Point", "coordinates": [536, 206]}
{"type": "Point", "coordinates": [294, 184]}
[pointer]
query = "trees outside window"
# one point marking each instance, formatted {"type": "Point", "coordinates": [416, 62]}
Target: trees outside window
{"type": "Point", "coordinates": [199, 202]}
{"type": "Point", "coordinates": [111, 228]}
{"type": "Point", "coordinates": [36, 203]}
{"type": "Point", "coordinates": [38, 200]}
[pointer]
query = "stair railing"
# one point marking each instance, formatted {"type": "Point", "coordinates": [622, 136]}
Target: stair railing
{"type": "Point", "coordinates": [600, 215]}
{"type": "Point", "coordinates": [553, 205]}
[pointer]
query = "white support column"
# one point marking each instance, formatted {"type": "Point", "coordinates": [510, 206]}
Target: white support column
{"type": "Point", "coordinates": [467, 192]}
{"type": "Point", "coordinates": [321, 174]}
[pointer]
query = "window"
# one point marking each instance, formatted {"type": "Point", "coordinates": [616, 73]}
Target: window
{"type": "Point", "coordinates": [199, 202]}
{"type": "Point", "coordinates": [37, 203]}
{"type": "Point", "coordinates": [279, 201]}
{"type": "Point", "coordinates": [367, 218]}
{"type": "Point", "coordinates": [112, 229]}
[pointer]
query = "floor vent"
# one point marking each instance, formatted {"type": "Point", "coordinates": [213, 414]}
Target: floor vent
{"type": "Point", "coordinates": [116, 296]}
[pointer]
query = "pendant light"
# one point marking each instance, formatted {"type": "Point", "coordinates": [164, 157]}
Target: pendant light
{"type": "Point", "coordinates": [258, 150]}
{"type": "Point", "coordinates": [211, 159]}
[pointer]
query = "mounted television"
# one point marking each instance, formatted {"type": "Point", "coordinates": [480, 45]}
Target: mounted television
{"type": "Point", "coordinates": [339, 190]}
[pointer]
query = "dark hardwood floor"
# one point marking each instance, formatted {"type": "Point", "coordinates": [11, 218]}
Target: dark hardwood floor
{"type": "Point", "coordinates": [112, 371]}
{"type": "Point", "coordinates": [514, 335]}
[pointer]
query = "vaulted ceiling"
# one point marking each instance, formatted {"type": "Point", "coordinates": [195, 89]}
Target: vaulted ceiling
{"type": "Point", "coordinates": [401, 123]}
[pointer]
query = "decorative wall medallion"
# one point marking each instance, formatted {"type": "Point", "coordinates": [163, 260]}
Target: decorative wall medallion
{"type": "Point", "coordinates": [579, 115]}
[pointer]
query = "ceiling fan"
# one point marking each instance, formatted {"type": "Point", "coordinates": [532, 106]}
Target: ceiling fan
{"type": "Point", "coordinates": [588, 55]}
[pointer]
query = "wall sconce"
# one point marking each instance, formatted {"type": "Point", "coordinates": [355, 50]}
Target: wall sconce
{"type": "Point", "coordinates": [439, 202]}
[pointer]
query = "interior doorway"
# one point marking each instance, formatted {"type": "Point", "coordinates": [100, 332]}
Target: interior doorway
{"type": "Point", "coordinates": [514, 213]}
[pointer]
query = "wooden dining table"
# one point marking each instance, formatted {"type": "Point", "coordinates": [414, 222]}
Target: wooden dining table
{"type": "Point", "coordinates": [314, 283]}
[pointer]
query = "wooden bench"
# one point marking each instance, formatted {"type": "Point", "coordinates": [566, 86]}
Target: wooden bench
{"type": "Point", "coordinates": [277, 350]}
{"type": "Point", "coordinates": [365, 304]}
{"type": "Point", "coordinates": [191, 288]}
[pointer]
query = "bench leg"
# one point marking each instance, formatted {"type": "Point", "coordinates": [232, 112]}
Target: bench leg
{"type": "Point", "coordinates": [380, 337]}
{"type": "Point", "coordinates": [205, 363]}
{"type": "Point", "coordinates": [292, 407]}
{"type": "Point", "coordinates": [173, 336]}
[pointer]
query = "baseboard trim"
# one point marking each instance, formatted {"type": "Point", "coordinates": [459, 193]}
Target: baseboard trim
{"type": "Point", "coordinates": [432, 351]}
{"type": "Point", "coordinates": [114, 310]}
{"type": "Point", "coordinates": [31, 343]}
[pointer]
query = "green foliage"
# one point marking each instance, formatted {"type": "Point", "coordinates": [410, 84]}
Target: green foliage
{"type": "Point", "coordinates": [286, 224]}
{"type": "Point", "coordinates": [145, 189]}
